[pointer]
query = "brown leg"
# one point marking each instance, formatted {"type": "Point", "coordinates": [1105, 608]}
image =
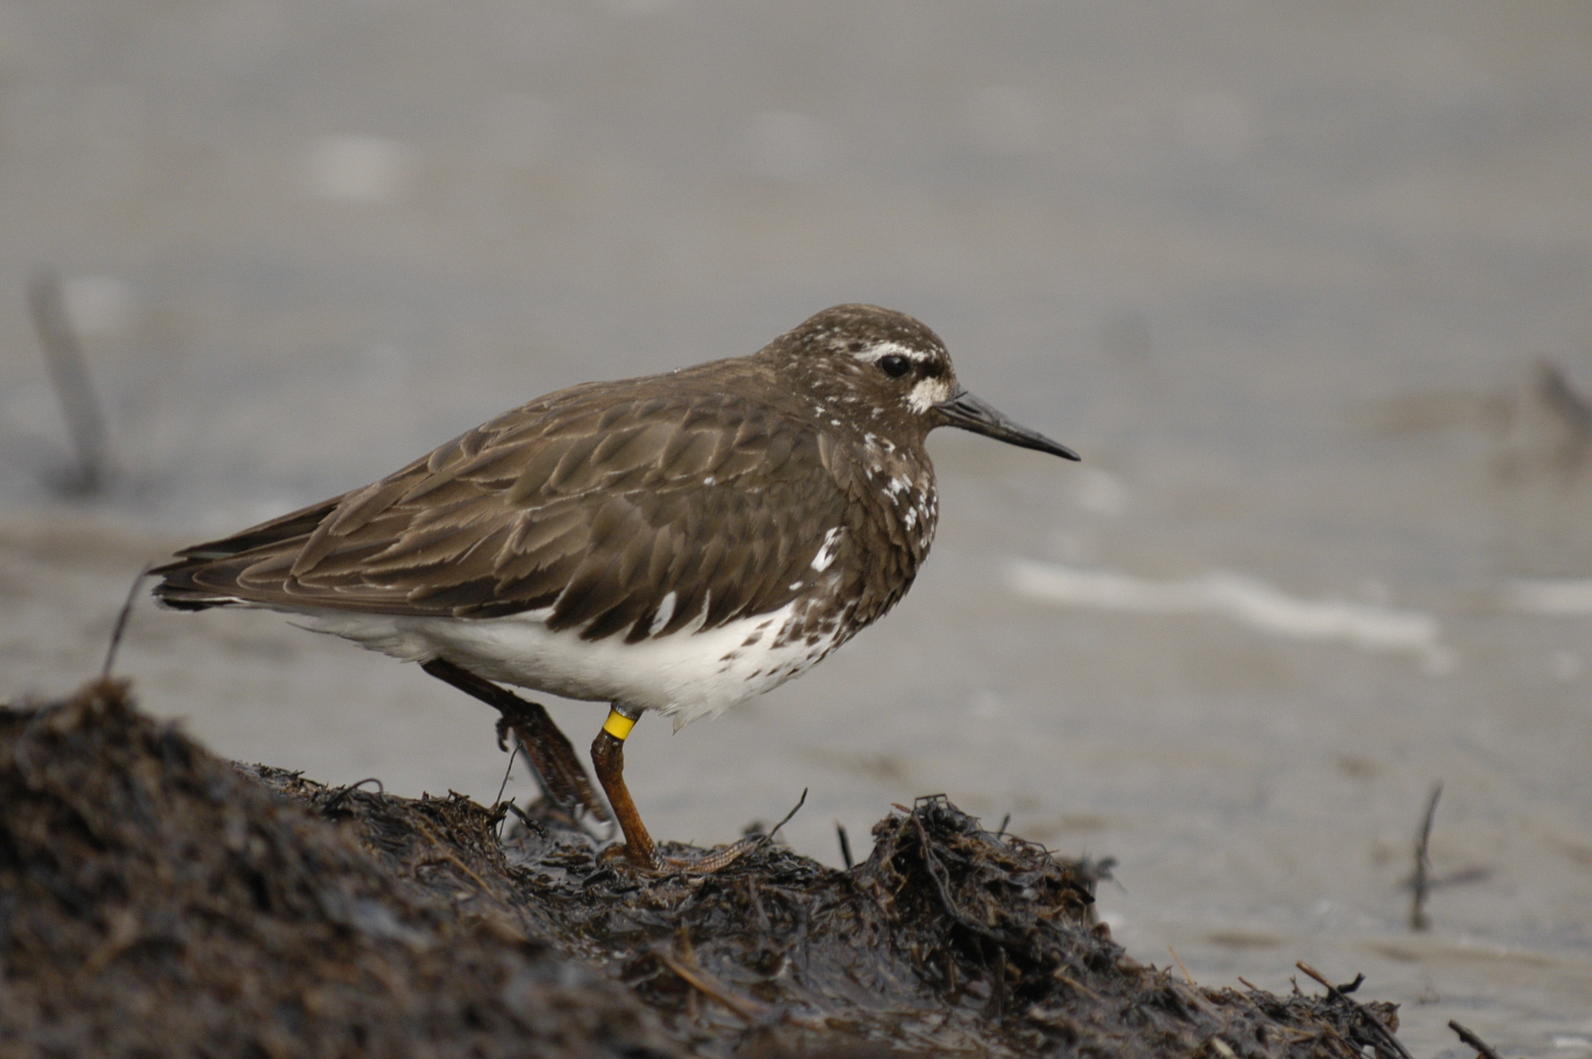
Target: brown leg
{"type": "Point", "coordinates": [550, 753]}
{"type": "Point", "coordinates": [608, 755]}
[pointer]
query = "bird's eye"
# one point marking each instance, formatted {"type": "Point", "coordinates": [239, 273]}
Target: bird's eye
{"type": "Point", "coordinates": [894, 365]}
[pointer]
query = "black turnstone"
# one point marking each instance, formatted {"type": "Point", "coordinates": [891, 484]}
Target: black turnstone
{"type": "Point", "coordinates": [676, 543]}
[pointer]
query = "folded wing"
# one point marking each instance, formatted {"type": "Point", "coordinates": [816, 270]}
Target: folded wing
{"type": "Point", "coordinates": [631, 517]}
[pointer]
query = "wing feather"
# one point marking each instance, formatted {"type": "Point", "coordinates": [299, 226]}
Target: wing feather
{"type": "Point", "coordinates": [595, 507]}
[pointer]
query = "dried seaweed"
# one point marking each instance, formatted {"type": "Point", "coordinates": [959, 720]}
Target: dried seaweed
{"type": "Point", "coordinates": [154, 899]}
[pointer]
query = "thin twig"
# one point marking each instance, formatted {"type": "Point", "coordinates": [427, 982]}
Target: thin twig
{"type": "Point", "coordinates": [503, 821]}
{"type": "Point", "coordinates": [703, 982]}
{"type": "Point", "coordinates": [1383, 1035]}
{"type": "Point", "coordinates": [1181, 966]}
{"type": "Point", "coordinates": [727, 855]}
{"type": "Point", "coordinates": [121, 623]}
{"type": "Point", "coordinates": [444, 855]}
{"type": "Point", "coordinates": [335, 802]}
{"type": "Point", "coordinates": [63, 354]}
{"type": "Point", "coordinates": [1073, 983]}
{"type": "Point", "coordinates": [1482, 1047]}
{"type": "Point", "coordinates": [1423, 863]}
{"type": "Point", "coordinates": [845, 845]}
{"type": "Point", "coordinates": [939, 875]}
{"type": "Point", "coordinates": [1332, 990]}
{"type": "Point", "coordinates": [768, 837]}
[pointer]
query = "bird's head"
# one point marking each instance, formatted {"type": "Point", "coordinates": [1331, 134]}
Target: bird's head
{"type": "Point", "coordinates": [887, 368]}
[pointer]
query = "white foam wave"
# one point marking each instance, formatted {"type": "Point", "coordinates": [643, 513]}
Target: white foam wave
{"type": "Point", "coordinates": [1554, 598]}
{"type": "Point", "coordinates": [1237, 597]}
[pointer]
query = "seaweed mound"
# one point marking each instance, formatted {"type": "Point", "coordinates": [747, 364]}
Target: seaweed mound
{"type": "Point", "coordinates": [156, 899]}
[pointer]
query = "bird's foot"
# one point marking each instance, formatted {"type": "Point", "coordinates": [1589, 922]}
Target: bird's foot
{"type": "Point", "coordinates": [559, 773]}
{"type": "Point", "coordinates": [649, 862]}
{"type": "Point", "coordinates": [561, 776]}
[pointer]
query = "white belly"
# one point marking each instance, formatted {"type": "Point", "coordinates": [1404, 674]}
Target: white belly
{"type": "Point", "coordinates": [684, 675]}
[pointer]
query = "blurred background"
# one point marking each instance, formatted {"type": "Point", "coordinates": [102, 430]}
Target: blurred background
{"type": "Point", "coordinates": [1307, 285]}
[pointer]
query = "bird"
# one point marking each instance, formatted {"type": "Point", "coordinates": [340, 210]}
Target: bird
{"type": "Point", "coordinates": [675, 544]}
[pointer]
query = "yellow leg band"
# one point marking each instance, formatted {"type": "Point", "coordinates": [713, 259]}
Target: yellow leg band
{"type": "Point", "coordinates": [618, 725]}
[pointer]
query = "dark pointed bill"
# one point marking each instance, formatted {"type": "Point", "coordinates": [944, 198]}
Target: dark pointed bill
{"type": "Point", "coordinates": [970, 413]}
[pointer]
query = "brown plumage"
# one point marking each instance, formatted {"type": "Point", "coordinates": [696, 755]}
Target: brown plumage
{"type": "Point", "coordinates": [792, 483]}
{"type": "Point", "coordinates": [590, 501]}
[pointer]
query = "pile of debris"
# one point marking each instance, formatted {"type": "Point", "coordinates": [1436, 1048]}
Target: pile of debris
{"type": "Point", "coordinates": [154, 898]}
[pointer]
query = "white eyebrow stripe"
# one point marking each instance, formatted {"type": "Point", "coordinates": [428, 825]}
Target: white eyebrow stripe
{"type": "Point", "coordinates": [879, 350]}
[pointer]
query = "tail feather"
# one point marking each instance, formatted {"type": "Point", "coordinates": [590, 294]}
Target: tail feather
{"type": "Point", "coordinates": [209, 575]}
{"type": "Point", "coordinates": [179, 588]}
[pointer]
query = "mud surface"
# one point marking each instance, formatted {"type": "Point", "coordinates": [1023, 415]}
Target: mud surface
{"type": "Point", "coordinates": [157, 899]}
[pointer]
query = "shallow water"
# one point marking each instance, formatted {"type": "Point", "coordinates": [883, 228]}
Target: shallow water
{"type": "Point", "coordinates": [1284, 277]}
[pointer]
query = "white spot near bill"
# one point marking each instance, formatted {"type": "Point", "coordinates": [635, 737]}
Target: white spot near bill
{"type": "Point", "coordinates": [928, 392]}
